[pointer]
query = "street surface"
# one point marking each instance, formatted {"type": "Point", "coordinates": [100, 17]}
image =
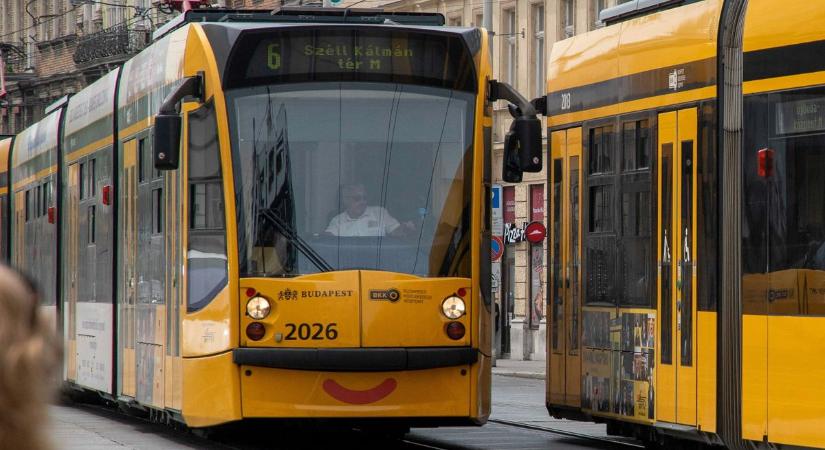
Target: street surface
{"type": "Point", "coordinates": [88, 427]}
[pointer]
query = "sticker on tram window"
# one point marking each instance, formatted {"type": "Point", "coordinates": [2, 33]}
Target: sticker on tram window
{"type": "Point", "coordinates": [311, 332]}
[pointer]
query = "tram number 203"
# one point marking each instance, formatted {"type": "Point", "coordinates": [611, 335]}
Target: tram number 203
{"type": "Point", "coordinates": [311, 331]}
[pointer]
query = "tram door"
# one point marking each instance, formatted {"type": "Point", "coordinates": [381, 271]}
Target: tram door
{"type": "Point", "coordinates": [128, 289]}
{"type": "Point", "coordinates": [676, 355]}
{"type": "Point", "coordinates": [564, 376]}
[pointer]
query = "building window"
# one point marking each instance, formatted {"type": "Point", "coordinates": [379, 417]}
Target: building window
{"type": "Point", "coordinates": [596, 7]}
{"type": "Point", "coordinates": [479, 20]}
{"type": "Point", "coordinates": [509, 60]}
{"type": "Point", "coordinates": [568, 19]}
{"type": "Point", "coordinates": [538, 50]}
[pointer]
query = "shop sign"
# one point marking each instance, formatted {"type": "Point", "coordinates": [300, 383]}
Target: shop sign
{"type": "Point", "coordinates": [535, 232]}
{"type": "Point", "coordinates": [514, 234]}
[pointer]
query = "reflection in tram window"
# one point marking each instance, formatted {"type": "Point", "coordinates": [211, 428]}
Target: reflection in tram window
{"type": "Point", "coordinates": [783, 229]}
{"type": "Point", "coordinates": [404, 149]}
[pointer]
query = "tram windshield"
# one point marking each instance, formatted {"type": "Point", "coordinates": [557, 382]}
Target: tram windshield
{"type": "Point", "coordinates": [352, 175]}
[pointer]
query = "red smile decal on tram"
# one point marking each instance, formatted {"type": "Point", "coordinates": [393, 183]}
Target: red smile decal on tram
{"type": "Point", "coordinates": [364, 397]}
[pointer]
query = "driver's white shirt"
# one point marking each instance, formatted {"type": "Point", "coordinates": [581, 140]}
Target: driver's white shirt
{"type": "Point", "coordinates": [376, 221]}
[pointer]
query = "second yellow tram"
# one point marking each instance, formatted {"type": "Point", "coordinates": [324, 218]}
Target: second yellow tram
{"type": "Point", "coordinates": [686, 223]}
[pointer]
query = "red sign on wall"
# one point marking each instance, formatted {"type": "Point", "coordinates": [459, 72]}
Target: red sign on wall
{"type": "Point", "coordinates": [509, 204]}
{"type": "Point", "coordinates": [537, 203]}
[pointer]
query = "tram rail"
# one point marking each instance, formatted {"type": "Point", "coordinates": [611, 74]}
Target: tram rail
{"type": "Point", "coordinates": [566, 433]}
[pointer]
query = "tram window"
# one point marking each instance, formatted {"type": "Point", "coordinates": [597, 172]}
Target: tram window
{"type": "Point", "coordinates": [157, 210]}
{"type": "Point", "coordinates": [206, 255]}
{"type": "Point", "coordinates": [90, 219]}
{"type": "Point", "coordinates": [636, 257]}
{"type": "Point", "coordinates": [141, 156]}
{"type": "Point", "coordinates": [91, 177]}
{"type": "Point", "coordinates": [600, 267]}
{"type": "Point", "coordinates": [44, 195]}
{"type": "Point", "coordinates": [28, 206]}
{"type": "Point", "coordinates": [600, 150]}
{"type": "Point", "coordinates": [82, 180]}
{"type": "Point", "coordinates": [38, 201]}
{"type": "Point", "coordinates": [601, 209]}
{"type": "Point", "coordinates": [635, 145]}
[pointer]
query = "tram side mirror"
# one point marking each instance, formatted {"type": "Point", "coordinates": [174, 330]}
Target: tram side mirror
{"type": "Point", "coordinates": [522, 143]}
{"type": "Point", "coordinates": [166, 141]}
{"type": "Point", "coordinates": [511, 166]}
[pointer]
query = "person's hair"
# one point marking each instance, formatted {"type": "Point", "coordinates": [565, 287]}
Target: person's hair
{"type": "Point", "coordinates": [29, 355]}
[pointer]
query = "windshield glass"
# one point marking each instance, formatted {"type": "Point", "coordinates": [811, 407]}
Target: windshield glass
{"type": "Point", "coordinates": [352, 175]}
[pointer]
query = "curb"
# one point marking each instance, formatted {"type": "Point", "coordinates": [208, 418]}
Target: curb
{"type": "Point", "coordinates": [532, 375]}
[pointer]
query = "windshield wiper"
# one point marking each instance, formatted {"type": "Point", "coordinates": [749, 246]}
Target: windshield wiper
{"type": "Point", "coordinates": [299, 242]}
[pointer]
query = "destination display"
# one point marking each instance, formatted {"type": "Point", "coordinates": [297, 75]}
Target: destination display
{"type": "Point", "coordinates": [800, 116]}
{"type": "Point", "coordinates": [352, 55]}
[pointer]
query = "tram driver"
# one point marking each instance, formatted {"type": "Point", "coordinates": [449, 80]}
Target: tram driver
{"type": "Point", "coordinates": [358, 219]}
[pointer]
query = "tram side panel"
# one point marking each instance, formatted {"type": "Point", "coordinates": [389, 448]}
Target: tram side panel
{"type": "Point", "coordinates": [34, 187]}
{"type": "Point", "coordinates": [142, 266]}
{"type": "Point", "coordinates": [783, 224]}
{"type": "Point", "coordinates": [5, 152]}
{"type": "Point", "coordinates": [88, 235]}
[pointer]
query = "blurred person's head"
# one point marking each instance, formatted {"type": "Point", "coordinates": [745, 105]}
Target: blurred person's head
{"type": "Point", "coordinates": [355, 199]}
{"type": "Point", "coordinates": [29, 355]}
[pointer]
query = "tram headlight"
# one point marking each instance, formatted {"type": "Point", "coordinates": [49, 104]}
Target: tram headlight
{"type": "Point", "coordinates": [453, 307]}
{"type": "Point", "coordinates": [258, 307]}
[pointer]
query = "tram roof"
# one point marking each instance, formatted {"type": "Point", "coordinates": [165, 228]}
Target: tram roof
{"type": "Point", "coordinates": [300, 15]}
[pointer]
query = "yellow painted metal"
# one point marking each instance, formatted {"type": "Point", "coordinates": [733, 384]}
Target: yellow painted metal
{"type": "Point", "coordinates": [36, 177]}
{"type": "Point", "coordinates": [783, 83]}
{"type": "Point", "coordinates": [127, 373]}
{"type": "Point", "coordinates": [573, 267]}
{"type": "Point", "coordinates": [481, 375]}
{"type": "Point", "coordinates": [207, 331]}
{"type": "Point", "coordinates": [89, 149]}
{"type": "Point", "coordinates": [173, 383]}
{"type": "Point", "coordinates": [796, 368]}
{"type": "Point", "coordinates": [797, 21]}
{"type": "Point", "coordinates": [5, 148]}
{"type": "Point", "coordinates": [754, 376]}
{"type": "Point", "coordinates": [443, 392]}
{"type": "Point", "coordinates": [564, 360]}
{"type": "Point", "coordinates": [663, 39]}
{"type": "Point", "coordinates": [706, 345]}
{"type": "Point", "coordinates": [129, 289]}
{"type": "Point", "coordinates": [686, 373]}
{"type": "Point", "coordinates": [211, 390]}
{"type": "Point", "coordinates": [213, 329]}
{"type": "Point", "coordinates": [72, 236]}
{"type": "Point", "coordinates": [555, 359]}
{"type": "Point", "coordinates": [155, 378]}
{"type": "Point", "coordinates": [644, 104]}
{"type": "Point", "coordinates": [416, 318]}
{"type": "Point", "coordinates": [330, 299]}
{"type": "Point", "coordinates": [665, 386]}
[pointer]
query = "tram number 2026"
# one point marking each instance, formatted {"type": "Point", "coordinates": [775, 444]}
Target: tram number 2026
{"type": "Point", "coordinates": [311, 331]}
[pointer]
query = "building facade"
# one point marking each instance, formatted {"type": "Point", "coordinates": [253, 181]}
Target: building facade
{"type": "Point", "coordinates": [53, 48]}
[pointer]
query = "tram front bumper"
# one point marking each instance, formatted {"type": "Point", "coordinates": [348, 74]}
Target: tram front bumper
{"type": "Point", "coordinates": [356, 359]}
{"type": "Point", "coordinates": [413, 384]}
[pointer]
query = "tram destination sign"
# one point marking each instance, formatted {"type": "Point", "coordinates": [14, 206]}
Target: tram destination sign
{"type": "Point", "coordinates": [800, 116]}
{"type": "Point", "coordinates": [325, 54]}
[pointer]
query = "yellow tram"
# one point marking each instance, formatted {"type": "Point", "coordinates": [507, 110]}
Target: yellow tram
{"type": "Point", "coordinates": [686, 223]}
{"type": "Point", "coordinates": [273, 215]}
